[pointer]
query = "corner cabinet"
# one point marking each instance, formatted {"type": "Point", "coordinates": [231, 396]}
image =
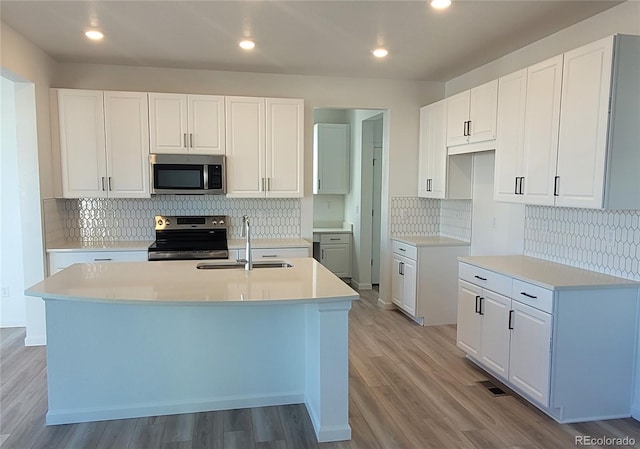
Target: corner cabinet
{"type": "Point", "coordinates": [440, 176]}
{"type": "Point", "coordinates": [539, 326]}
{"type": "Point", "coordinates": [104, 143]}
{"type": "Point", "coordinates": [331, 158]}
{"type": "Point", "coordinates": [186, 123]}
{"type": "Point", "coordinates": [471, 119]}
{"type": "Point", "coordinates": [598, 157]}
{"type": "Point", "coordinates": [265, 147]}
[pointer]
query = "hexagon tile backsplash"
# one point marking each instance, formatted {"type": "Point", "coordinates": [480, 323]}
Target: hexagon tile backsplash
{"type": "Point", "coordinates": [598, 240]}
{"type": "Point", "coordinates": [96, 219]}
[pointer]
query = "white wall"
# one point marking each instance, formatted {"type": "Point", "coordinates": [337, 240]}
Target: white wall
{"type": "Point", "coordinates": [12, 307]}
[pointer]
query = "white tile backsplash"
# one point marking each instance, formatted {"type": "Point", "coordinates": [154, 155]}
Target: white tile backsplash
{"type": "Point", "coordinates": [414, 216]}
{"type": "Point", "coordinates": [598, 240]}
{"type": "Point", "coordinates": [455, 219]}
{"type": "Point", "coordinates": [94, 220]}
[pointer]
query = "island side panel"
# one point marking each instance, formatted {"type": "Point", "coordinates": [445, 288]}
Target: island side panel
{"type": "Point", "coordinates": [327, 369]}
{"type": "Point", "coordinates": [111, 360]}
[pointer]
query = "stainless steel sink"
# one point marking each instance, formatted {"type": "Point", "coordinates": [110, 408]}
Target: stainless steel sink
{"type": "Point", "coordinates": [240, 265]}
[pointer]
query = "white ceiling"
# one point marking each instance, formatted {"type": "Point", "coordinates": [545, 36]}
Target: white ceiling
{"type": "Point", "coordinates": [295, 37]}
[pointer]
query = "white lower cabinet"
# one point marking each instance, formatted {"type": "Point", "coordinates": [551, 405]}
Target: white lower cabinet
{"type": "Point", "coordinates": [423, 281]}
{"type": "Point", "coordinates": [59, 260]}
{"type": "Point", "coordinates": [553, 346]}
{"type": "Point", "coordinates": [335, 253]}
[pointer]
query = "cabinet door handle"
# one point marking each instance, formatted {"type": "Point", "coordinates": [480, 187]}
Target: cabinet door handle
{"type": "Point", "coordinates": [103, 183]}
{"type": "Point", "coordinates": [109, 184]}
{"type": "Point", "coordinates": [556, 186]}
{"type": "Point", "coordinates": [191, 140]}
{"type": "Point", "coordinates": [268, 184]}
{"type": "Point", "coordinates": [400, 268]}
{"type": "Point", "coordinates": [479, 277]}
{"type": "Point", "coordinates": [528, 295]}
{"type": "Point", "coordinates": [481, 312]}
{"type": "Point", "coordinates": [515, 189]}
{"type": "Point", "coordinates": [521, 185]}
{"type": "Point", "coordinates": [322, 254]}
{"type": "Point", "coordinates": [318, 185]}
{"type": "Point", "coordinates": [469, 128]}
{"type": "Point", "coordinates": [263, 186]}
{"type": "Point", "coordinates": [477, 304]}
{"type": "Point", "coordinates": [510, 319]}
{"type": "Point", "coordinates": [184, 138]}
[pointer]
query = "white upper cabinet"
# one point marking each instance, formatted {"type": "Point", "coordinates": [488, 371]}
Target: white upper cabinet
{"type": "Point", "coordinates": [440, 176]}
{"type": "Point", "coordinates": [598, 157]}
{"type": "Point", "coordinates": [265, 143]}
{"type": "Point", "coordinates": [471, 119]}
{"type": "Point", "coordinates": [186, 123]}
{"type": "Point", "coordinates": [527, 142]}
{"type": "Point", "coordinates": [330, 158]}
{"type": "Point", "coordinates": [104, 144]}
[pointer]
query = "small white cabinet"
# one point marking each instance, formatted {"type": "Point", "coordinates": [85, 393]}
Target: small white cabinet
{"type": "Point", "coordinates": [471, 118]}
{"type": "Point", "coordinates": [541, 335]}
{"type": "Point", "coordinates": [104, 143]}
{"type": "Point", "coordinates": [335, 253]}
{"type": "Point", "coordinates": [440, 176]}
{"type": "Point", "coordinates": [423, 280]}
{"type": "Point", "coordinates": [331, 158]}
{"type": "Point", "coordinates": [59, 260]}
{"type": "Point", "coordinates": [265, 147]}
{"type": "Point", "coordinates": [186, 123]}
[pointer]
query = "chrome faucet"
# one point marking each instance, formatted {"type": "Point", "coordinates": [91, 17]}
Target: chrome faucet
{"type": "Point", "coordinates": [246, 232]}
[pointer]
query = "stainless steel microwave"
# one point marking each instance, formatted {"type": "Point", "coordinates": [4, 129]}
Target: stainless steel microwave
{"type": "Point", "coordinates": [187, 174]}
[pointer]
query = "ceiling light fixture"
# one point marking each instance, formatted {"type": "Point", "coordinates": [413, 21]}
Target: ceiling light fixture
{"type": "Point", "coordinates": [94, 35]}
{"type": "Point", "coordinates": [380, 52]}
{"type": "Point", "coordinates": [247, 44]}
{"type": "Point", "coordinates": [440, 4]}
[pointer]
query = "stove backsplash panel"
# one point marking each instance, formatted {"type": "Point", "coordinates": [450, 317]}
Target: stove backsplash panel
{"type": "Point", "coordinates": [98, 220]}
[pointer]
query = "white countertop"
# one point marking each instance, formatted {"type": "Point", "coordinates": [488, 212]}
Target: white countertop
{"type": "Point", "coordinates": [180, 282]}
{"type": "Point", "coordinates": [431, 240]}
{"type": "Point", "coordinates": [269, 243]}
{"type": "Point", "coordinates": [550, 275]}
{"type": "Point", "coordinates": [143, 245]}
{"type": "Point", "coordinates": [117, 245]}
{"type": "Point", "coordinates": [344, 229]}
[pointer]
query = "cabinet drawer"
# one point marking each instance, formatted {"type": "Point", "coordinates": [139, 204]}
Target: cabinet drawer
{"type": "Point", "coordinates": [485, 278]}
{"type": "Point", "coordinates": [61, 260]}
{"type": "Point", "coordinates": [335, 238]}
{"type": "Point", "coordinates": [532, 295]}
{"type": "Point", "coordinates": [275, 253]}
{"type": "Point", "coordinates": [404, 249]}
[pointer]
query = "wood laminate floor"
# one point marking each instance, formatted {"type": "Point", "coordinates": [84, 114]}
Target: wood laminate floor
{"type": "Point", "coordinates": [410, 388]}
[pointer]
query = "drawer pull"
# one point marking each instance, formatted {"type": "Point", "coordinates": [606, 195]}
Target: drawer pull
{"type": "Point", "coordinates": [480, 277]}
{"type": "Point", "coordinates": [102, 260]}
{"type": "Point", "coordinates": [402, 249]}
{"type": "Point", "coordinates": [335, 239]}
{"type": "Point", "coordinates": [510, 319]}
{"type": "Point", "coordinates": [269, 255]}
{"type": "Point", "coordinates": [528, 295]}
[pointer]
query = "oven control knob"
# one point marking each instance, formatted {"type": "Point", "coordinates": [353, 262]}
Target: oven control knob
{"type": "Point", "coordinates": [159, 222]}
{"type": "Point", "coordinates": [215, 222]}
{"type": "Point", "coordinates": [167, 222]}
{"type": "Point", "coordinates": [221, 222]}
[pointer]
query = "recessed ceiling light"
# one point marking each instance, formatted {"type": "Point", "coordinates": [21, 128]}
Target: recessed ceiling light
{"type": "Point", "coordinates": [94, 35]}
{"type": "Point", "coordinates": [247, 44]}
{"type": "Point", "coordinates": [380, 52]}
{"type": "Point", "coordinates": [440, 4]}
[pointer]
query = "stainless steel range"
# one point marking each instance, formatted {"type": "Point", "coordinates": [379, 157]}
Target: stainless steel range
{"type": "Point", "coordinates": [190, 237]}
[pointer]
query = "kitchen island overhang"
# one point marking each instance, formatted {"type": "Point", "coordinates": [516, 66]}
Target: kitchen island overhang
{"type": "Point", "coordinates": [137, 339]}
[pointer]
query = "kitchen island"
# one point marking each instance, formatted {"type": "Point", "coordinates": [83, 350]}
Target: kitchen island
{"type": "Point", "coordinates": [133, 339]}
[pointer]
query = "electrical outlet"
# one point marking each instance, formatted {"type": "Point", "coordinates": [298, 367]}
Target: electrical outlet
{"type": "Point", "coordinates": [5, 292]}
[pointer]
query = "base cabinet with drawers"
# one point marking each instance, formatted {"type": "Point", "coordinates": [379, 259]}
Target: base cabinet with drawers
{"type": "Point", "coordinates": [423, 280]}
{"type": "Point", "coordinates": [549, 337]}
{"type": "Point", "coordinates": [59, 260]}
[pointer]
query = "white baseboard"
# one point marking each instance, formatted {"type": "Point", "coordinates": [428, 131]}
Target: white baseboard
{"type": "Point", "coordinates": [385, 305]}
{"type": "Point", "coordinates": [35, 340]}
{"type": "Point", "coordinates": [55, 417]}
{"type": "Point", "coordinates": [360, 286]}
{"type": "Point", "coordinates": [326, 434]}
{"type": "Point", "coordinates": [635, 412]}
